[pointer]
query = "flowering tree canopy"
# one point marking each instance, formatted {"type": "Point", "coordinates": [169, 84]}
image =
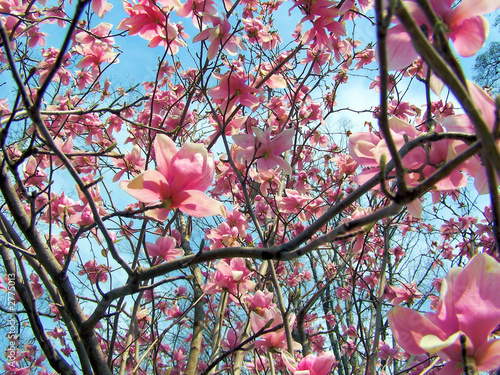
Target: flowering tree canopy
{"type": "Point", "coordinates": [247, 187]}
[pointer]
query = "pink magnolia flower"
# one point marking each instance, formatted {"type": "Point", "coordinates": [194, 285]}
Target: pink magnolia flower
{"type": "Point", "coordinates": [149, 20]}
{"type": "Point", "coordinates": [36, 286]}
{"type": "Point", "coordinates": [231, 90]}
{"type": "Point", "coordinates": [294, 203]}
{"type": "Point", "coordinates": [164, 247]}
{"type": "Point", "coordinates": [33, 173]}
{"type": "Point", "coordinates": [195, 8]}
{"type": "Point", "coordinates": [219, 35]}
{"type": "Point", "coordinates": [462, 123]}
{"type": "Point", "coordinates": [259, 301]}
{"type": "Point", "coordinates": [467, 28]}
{"type": "Point", "coordinates": [265, 150]}
{"type": "Point", "coordinates": [100, 7]}
{"type": "Point", "coordinates": [469, 307]}
{"type": "Point", "coordinates": [276, 339]}
{"type": "Point", "coordinates": [95, 272]}
{"type": "Point", "coordinates": [132, 163]}
{"type": "Point", "coordinates": [180, 181]}
{"type": "Point", "coordinates": [233, 277]}
{"type": "Point", "coordinates": [404, 293]}
{"type": "Point", "coordinates": [310, 364]}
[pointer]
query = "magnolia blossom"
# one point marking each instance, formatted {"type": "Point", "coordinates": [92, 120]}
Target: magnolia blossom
{"type": "Point", "coordinates": [132, 162]}
{"type": "Point", "coordinates": [404, 293]}
{"type": "Point", "coordinates": [276, 339]}
{"type": "Point", "coordinates": [233, 277]}
{"type": "Point", "coordinates": [310, 364]}
{"type": "Point", "coordinates": [95, 272]}
{"type": "Point", "coordinates": [463, 24]}
{"type": "Point", "coordinates": [468, 312]}
{"type": "Point", "coordinates": [180, 181]}
{"type": "Point", "coordinates": [266, 150]}
{"type": "Point", "coordinates": [219, 36]}
{"type": "Point", "coordinates": [164, 247]}
{"type": "Point", "coordinates": [462, 123]}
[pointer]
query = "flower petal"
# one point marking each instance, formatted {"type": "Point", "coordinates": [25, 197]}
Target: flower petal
{"type": "Point", "coordinates": [476, 292]}
{"type": "Point", "coordinates": [469, 35]}
{"type": "Point", "coordinates": [488, 356]}
{"type": "Point", "coordinates": [197, 204]}
{"type": "Point", "coordinates": [400, 51]}
{"type": "Point", "coordinates": [192, 168]}
{"type": "Point", "coordinates": [433, 344]}
{"type": "Point", "coordinates": [409, 327]}
{"type": "Point", "coordinates": [165, 150]}
{"type": "Point", "coordinates": [148, 187]}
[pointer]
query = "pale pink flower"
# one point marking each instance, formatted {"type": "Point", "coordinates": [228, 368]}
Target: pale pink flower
{"type": "Point", "coordinates": [267, 151]}
{"type": "Point", "coordinates": [180, 181]}
{"type": "Point", "coordinates": [132, 162]}
{"type": "Point", "coordinates": [469, 307]}
{"type": "Point", "coordinates": [462, 123]}
{"type": "Point", "coordinates": [101, 7]}
{"type": "Point", "coordinates": [219, 36]}
{"type": "Point", "coordinates": [164, 247]}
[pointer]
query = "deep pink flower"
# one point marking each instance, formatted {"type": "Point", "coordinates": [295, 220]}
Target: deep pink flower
{"type": "Point", "coordinates": [469, 307]}
{"type": "Point", "coordinates": [180, 181]}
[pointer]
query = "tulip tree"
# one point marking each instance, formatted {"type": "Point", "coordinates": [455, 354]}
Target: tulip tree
{"type": "Point", "coordinates": [219, 216]}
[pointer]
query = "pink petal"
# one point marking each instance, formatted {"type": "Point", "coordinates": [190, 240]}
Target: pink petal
{"type": "Point", "coordinates": [165, 150]}
{"type": "Point", "coordinates": [409, 326]}
{"type": "Point", "coordinates": [455, 180]}
{"type": "Point", "coordinates": [484, 102]}
{"type": "Point", "coordinates": [400, 51]}
{"type": "Point", "coordinates": [148, 187]}
{"type": "Point", "coordinates": [458, 123]}
{"type": "Point", "coordinates": [445, 316]}
{"type": "Point", "coordinates": [469, 35]}
{"type": "Point", "coordinates": [323, 364]}
{"type": "Point", "coordinates": [471, 8]}
{"type": "Point", "coordinates": [451, 369]}
{"type": "Point", "coordinates": [282, 142]}
{"type": "Point", "coordinates": [361, 148]}
{"type": "Point", "coordinates": [244, 140]}
{"type": "Point", "coordinates": [197, 204]}
{"type": "Point", "coordinates": [481, 181]}
{"type": "Point", "coordinates": [192, 168]}
{"type": "Point", "coordinates": [477, 305]}
{"type": "Point", "coordinates": [488, 356]}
